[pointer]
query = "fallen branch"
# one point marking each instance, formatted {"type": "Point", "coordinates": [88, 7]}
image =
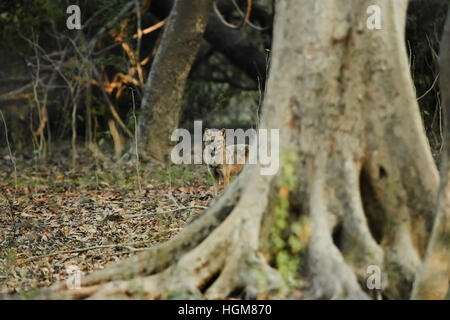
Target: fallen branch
{"type": "Point", "coordinates": [125, 245]}
{"type": "Point", "coordinates": [169, 211]}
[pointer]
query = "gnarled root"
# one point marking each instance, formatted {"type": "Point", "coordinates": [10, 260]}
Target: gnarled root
{"type": "Point", "coordinates": [335, 268]}
{"type": "Point", "coordinates": [198, 261]}
{"type": "Point", "coordinates": [350, 234]}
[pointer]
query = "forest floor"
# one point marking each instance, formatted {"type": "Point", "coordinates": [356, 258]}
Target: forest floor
{"type": "Point", "coordinates": [53, 218]}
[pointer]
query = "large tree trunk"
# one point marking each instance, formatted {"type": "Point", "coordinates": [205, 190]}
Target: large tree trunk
{"type": "Point", "coordinates": [433, 280]}
{"type": "Point", "coordinates": [371, 177]}
{"type": "Point", "coordinates": [161, 102]}
{"type": "Point", "coordinates": [356, 187]}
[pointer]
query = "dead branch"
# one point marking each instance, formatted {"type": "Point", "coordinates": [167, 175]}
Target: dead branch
{"type": "Point", "coordinates": [230, 25]}
{"type": "Point", "coordinates": [164, 212]}
{"type": "Point", "coordinates": [113, 22]}
{"type": "Point", "coordinates": [251, 24]}
{"type": "Point", "coordinates": [19, 92]}
{"type": "Point", "coordinates": [125, 245]}
{"type": "Point", "coordinates": [102, 89]}
{"type": "Point", "coordinates": [150, 29]}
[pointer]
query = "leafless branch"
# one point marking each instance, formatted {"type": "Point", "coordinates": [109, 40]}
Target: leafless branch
{"type": "Point", "coordinates": [230, 25]}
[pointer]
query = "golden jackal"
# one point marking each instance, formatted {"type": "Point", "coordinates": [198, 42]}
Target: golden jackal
{"type": "Point", "coordinates": [225, 160]}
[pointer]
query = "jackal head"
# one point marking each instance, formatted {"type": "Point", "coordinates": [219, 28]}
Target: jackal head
{"type": "Point", "coordinates": [214, 147]}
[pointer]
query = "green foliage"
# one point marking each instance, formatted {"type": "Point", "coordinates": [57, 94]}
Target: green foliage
{"type": "Point", "coordinates": [137, 291]}
{"type": "Point", "coordinates": [178, 175]}
{"type": "Point", "coordinates": [286, 236]}
{"type": "Point", "coordinates": [28, 295]}
{"type": "Point", "coordinates": [21, 17]}
{"type": "Point", "coordinates": [288, 178]}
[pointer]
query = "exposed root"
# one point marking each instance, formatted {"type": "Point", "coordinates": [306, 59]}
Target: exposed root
{"type": "Point", "coordinates": [202, 259]}
{"type": "Point", "coordinates": [156, 259]}
{"type": "Point", "coordinates": [246, 272]}
{"type": "Point", "coordinates": [339, 270]}
{"type": "Point", "coordinates": [433, 280]}
{"type": "Point", "coordinates": [358, 246]}
{"type": "Point", "coordinates": [331, 276]}
{"type": "Point", "coordinates": [406, 201]}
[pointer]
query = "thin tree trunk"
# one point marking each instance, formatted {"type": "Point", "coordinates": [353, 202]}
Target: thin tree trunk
{"type": "Point", "coordinates": [161, 102]}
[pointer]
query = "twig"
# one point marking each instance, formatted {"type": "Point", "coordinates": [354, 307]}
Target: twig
{"type": "Point", "coordinates": [42, 119]}
{"type": "Point", "coordinates": [230, 25]}
{"type": "Point", "coordinates": [102, 89]}
{"type": "Point", "coordinates": [111, 23]}
{"type": "Point", "coordinates": [139, 30]}
{"type": "Point", "coordinates": [150, 29]}
{"type": "Point", "coordinates": [14, 92]}
{"type": "Point", "coordinates": [110, 104]}
{"type": "Point", "coordinates": [164, 212]}
{"type": "Point", "coordinates": [252, 25]}
{"type": "Point", "coordinates": [132, 250]}
{"type": "Point", "coordinates": [431, 88]}
{"type": "Point", "coordinates": [136, 142]}
{"type": "Point", "coordinates": [86, 249]}
{"type": "Point", "coordinates": [171, 197]}
{"type": "Point", "coordinates": [72, 90]}
{"type": "Point", "coordinates": [137, 59]}
{"type": "Point", "coordinates": [260, 94]}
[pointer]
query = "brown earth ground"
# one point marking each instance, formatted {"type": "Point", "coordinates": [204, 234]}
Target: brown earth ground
{"type": "Point", "coordinates": [52, 218]}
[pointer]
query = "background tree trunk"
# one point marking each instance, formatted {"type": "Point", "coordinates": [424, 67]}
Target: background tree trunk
{"type": "Point", "coordinates": [433, 280]}
{"type": "Point", "coordinates": [356, 185]}
{"type": "Point", "coordinates": [239, 50]}
{"type": "Point", "coordinates": [161, 102]}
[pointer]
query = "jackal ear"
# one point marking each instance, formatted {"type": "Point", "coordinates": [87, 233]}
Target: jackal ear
{"type": "Point", "coordinates": [223, 130]}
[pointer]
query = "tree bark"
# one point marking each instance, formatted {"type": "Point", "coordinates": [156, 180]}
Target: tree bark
{"type": "Point", "coordinates": [433, 280]}
{"type": "Point", "coordinates": [356, 185]}
{"type": "Point", "coordinates": [161, 102]}
{"type": "Point", "coordinates": [373, 163]}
